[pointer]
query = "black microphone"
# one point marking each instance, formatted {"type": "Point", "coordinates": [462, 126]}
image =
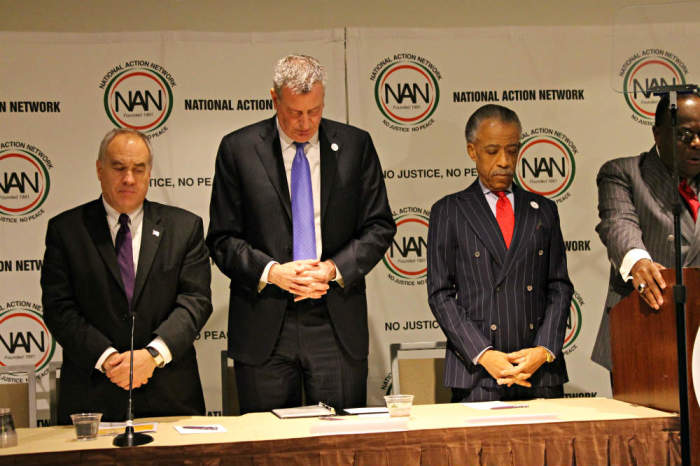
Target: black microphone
{"type": "Point", "coordinates": [130, 438]}
{"type": "Point", "coordinates": [677, 88]}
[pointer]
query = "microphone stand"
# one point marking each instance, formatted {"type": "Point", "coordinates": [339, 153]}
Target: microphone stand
{"type": "Point", "coordinates": [130, 438]}
{"type": "Point", "coordinates": [679, 290]}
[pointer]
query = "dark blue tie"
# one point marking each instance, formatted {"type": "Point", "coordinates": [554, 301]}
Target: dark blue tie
{"type": "Point", "coordinates": [125, 256]}
{"type": "Point", "coordinates": [304, 239]}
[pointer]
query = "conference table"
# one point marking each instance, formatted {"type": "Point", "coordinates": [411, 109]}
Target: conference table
{"type": "Point", "coordinates": [581, 431]}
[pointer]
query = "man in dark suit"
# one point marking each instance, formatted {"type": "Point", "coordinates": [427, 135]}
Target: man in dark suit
{"type": "Point", "coordinates": [117, 255]}
{"type": "Point", "coordinates": [299, 215]}
{"type": "Point", "coordinates": [635, 199]}
{"type": "Point", "coordinates": [497, 277]}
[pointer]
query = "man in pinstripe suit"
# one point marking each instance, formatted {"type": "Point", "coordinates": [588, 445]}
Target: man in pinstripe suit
{"type": "Point", "coordinates": [635, 198]}
{"type": "Point", "coordinates": [497, 277]}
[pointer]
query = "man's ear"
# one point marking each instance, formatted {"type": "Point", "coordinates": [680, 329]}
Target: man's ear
{"type": "Point", "coordinates": [471, 150]}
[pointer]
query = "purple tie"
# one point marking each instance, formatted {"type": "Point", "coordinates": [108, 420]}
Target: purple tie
{"type": "Point", "coordinates": [125, 256]}
{"type": "Point", "coordinates": [304, 240]}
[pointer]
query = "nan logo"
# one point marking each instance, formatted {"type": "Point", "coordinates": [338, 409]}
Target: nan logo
{"type": "Point", "coordinates": [642, 71]}
{"type": "Point", "coordinates": [138, 95]}
{"type": "Point", "coordinates": [24, 337]}
{"type": "Point", "coordinates": [573, 324]}
{"type": "Point", "coordinates": [24, 181]}
{"type": "Point", "coordinates": [406, 259]}
{"type": "Point", "coordinates": [546, 164]}
{"type": "Point", "coordinates": [406, 91]}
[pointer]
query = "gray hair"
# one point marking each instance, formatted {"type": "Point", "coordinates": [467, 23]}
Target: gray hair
{"type": "Point", "coordinates": [488, 112]}
{"type": "Point", "coordinates": [116, 132]}
{"type": "Point", "coordinates": [298, 73]}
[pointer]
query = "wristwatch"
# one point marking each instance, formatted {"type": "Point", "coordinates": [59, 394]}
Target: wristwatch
{"type": "Point", "coordinates": [160, 362]}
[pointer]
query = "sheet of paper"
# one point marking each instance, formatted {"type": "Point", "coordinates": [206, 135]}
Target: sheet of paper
{"type": "Point", "coordinates": [358, 425]}
{"type": "Point", "coordinates": [369, 410]}
{"type": "Point", "coordinates": [486, 405]}
{"type": "Point", "coordinates": [116, 428]}
{"type": "Point", "coordinates": [200, 429]}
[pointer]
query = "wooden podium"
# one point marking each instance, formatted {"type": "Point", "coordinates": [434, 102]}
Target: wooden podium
{"type": "Point", "coordinates": [644, 351]}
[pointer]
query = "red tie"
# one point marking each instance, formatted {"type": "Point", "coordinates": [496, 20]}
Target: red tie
{"type": "Point", "coordinates": [690, 197]}
{"type": "Point", "coordinates": [505, 217]}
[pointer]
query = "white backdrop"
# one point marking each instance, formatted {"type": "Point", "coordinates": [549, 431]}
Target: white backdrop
{"type": "Point", "coordinates": [412, 89]}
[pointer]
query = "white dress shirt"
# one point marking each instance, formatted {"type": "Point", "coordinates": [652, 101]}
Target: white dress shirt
{"type": "Point", "coordinates": [312, 149]}
{"type": "Point", "coordinates": [136, 226]}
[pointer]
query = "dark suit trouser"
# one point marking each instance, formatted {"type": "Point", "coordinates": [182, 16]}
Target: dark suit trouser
{"type": "Point", "coordinates": [505, 393]}
{"type": "Point", "coordinates": [309, 355]}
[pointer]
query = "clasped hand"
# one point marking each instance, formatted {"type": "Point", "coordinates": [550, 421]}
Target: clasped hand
{"type": "Point", "coordinates": [513, 368]}
{"type": "Point", "coordinates": [116, 368]}
{"type": "Point", "coordinates": [303, 278]}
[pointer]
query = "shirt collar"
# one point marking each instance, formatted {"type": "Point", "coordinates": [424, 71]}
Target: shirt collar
{"type": "Point", "coordinates": [486, 190]}
{"type": "Point", "coordinates": [286, 141]}
{"type": "Point", "coordinates": [113, 215]}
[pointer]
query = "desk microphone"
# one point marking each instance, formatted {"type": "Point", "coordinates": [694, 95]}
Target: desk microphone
{"type": "Point", "coordinates": [130, 438]}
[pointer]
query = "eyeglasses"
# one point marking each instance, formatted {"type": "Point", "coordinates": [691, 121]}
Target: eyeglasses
{"type": "Point", "coordinates": [687, 136]}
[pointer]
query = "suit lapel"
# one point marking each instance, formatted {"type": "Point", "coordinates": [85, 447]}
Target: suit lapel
{"type": "Point", "coordinates": [329, 164]}
{"type": "Point", "coordinates": [152, 230]}
{"type": "Point", "coordinates": [663, 188]}
{"type": "Point", "coordinates": [269, 151]}
{"type": "Point", "coordinates": [524, 226]}
{"type": "Point", "coordinates": [97, 227]}
{"type": "Point", "coordinates": [483, 222]}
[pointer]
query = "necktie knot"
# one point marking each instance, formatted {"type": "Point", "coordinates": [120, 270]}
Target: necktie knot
{"type": "Point", "coordinates": [124, 220]}
{"type": "Point", "coordinates": [501, 194]}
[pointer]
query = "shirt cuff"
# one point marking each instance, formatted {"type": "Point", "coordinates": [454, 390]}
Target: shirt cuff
{"type": "Point", "coordinates": [475, 361]}
{"type": "Point", "coordinates": [549, 351]}
{"type": "Point", "coordinates": [104, 357]}
{"type": "Point", "coordinates": [338, 276]}
{"type": "Point", "coordinates": [159, 345]}
{"type": "Point", "coordinates": [263, 277]}
{"type": "Point", "coordinates": [631, 258]}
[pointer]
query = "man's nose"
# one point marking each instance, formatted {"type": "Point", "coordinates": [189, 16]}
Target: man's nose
{"type": "Point", "coordinates": [504, 160]}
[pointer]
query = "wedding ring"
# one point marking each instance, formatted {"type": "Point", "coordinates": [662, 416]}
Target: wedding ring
{"type": "Point", "coordinates": [641, 287]}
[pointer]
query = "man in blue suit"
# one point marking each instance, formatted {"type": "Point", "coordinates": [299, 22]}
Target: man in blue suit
{"type": "Point", "coordinates": [497, 277]}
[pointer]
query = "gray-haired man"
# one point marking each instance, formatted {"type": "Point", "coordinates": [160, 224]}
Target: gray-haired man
{"type": "Point", "coordinates": [299, 215]}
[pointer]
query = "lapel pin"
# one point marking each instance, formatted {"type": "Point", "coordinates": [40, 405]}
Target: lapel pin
{"type": "Point", "coordinates": [334, 147]}
{"type": "Point", "coordinates": [534, 205]}
{"type": "Point", "coordinates": [156, 233]}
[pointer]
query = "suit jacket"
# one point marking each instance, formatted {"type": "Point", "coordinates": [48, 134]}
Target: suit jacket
{"type": "Point", "coordinates": [86, 309]}
{"type": "Point", "coordinates": [251, 225]}
{"type": "Point", "coordinates": [483, 294]}
{"type": "Point", "coordinates": [635, 200]}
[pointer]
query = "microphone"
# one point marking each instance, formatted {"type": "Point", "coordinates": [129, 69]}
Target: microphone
{"type": "Point", "coordinates": [130, 438]}
{"type": "Point", "coordinates": [677, 88]}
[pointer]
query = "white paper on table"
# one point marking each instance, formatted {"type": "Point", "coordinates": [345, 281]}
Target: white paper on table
{"type": "Point", "coordinates": [358, 425]}
{"type": "Point", "coordinates": [486, 405]}
{"type": "Point", "coordinates": [201, 429]}
{"type": "Point", "coordinates": [696, 366]}
{"type": "Point", "coordinates": [115, 428]}
{"type": "Point", "coordinates": [368, 410]}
